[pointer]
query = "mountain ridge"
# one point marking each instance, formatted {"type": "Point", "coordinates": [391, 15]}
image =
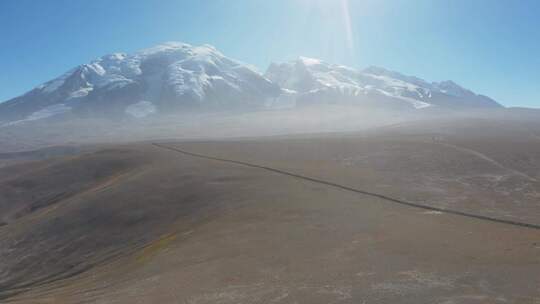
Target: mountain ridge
{"type": "Point", "coordinates": [313, 78]}
{"type": "Point", "coordinates": [176, 76]}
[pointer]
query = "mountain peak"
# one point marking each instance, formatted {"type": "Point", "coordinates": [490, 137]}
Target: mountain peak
{"type": "Point", "coordinates": [308, 61]}
{"type": "Point", "coordinates": [164, 78]}
{"type": "Point", "coordinates": [165, 47]}
{"type": "Point", "coordinates": [376, 70]}
{"type": "Point", "coordinates": [173, 76]}
{"type": "Point", "coordinates": [316, 80]}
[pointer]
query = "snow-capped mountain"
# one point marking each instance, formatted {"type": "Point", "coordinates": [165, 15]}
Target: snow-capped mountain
{"type": "Point", "coordinates": [176, 77]}
{"type": "Point", "coordinates": [316, 81]}
{"type": "Point", "coordinates": [165, 78]}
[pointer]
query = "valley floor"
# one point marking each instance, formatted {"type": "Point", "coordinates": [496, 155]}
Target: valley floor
{"type": "Point", "coordinates": [144, 223]}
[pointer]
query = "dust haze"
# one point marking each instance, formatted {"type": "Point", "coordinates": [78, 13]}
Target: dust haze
{"type": "Point", "coordinates": [322, 204]}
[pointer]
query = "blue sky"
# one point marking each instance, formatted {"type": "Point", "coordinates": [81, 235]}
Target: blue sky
{"type": "Point", "coordinates": [489, 46]}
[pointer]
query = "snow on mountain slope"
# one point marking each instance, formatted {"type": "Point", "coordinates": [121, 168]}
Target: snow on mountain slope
{"type": "Point", "coordinates": [168, 77]}
{"type": "Point", "coordinates": [141, 109]}
{"type": "Point", "coordinates": [315, 80]}
{"type": "Point", "coordinates": [175, 76]}
{"type": "Point", "coordinates": [46, 112]}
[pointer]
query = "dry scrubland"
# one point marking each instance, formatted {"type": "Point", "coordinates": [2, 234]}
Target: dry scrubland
{"type": "Point", "coordinates": [138, 223]}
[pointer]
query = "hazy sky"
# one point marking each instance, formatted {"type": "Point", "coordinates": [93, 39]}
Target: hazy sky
{"type": "Point", "coordinates": [489, 46]}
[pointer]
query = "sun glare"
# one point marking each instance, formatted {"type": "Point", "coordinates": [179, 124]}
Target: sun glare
{"type": "Point", "coordinates": [346, 15]}
{"type": "Point", "coordinates": [334, 19]}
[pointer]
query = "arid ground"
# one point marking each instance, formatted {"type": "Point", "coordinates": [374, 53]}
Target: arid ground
{"type": "Point", "coordinates": [278, 220]}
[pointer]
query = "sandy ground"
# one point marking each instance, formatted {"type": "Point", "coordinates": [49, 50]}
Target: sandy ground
{"type": "Point", "coordinates": [156, 226]}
